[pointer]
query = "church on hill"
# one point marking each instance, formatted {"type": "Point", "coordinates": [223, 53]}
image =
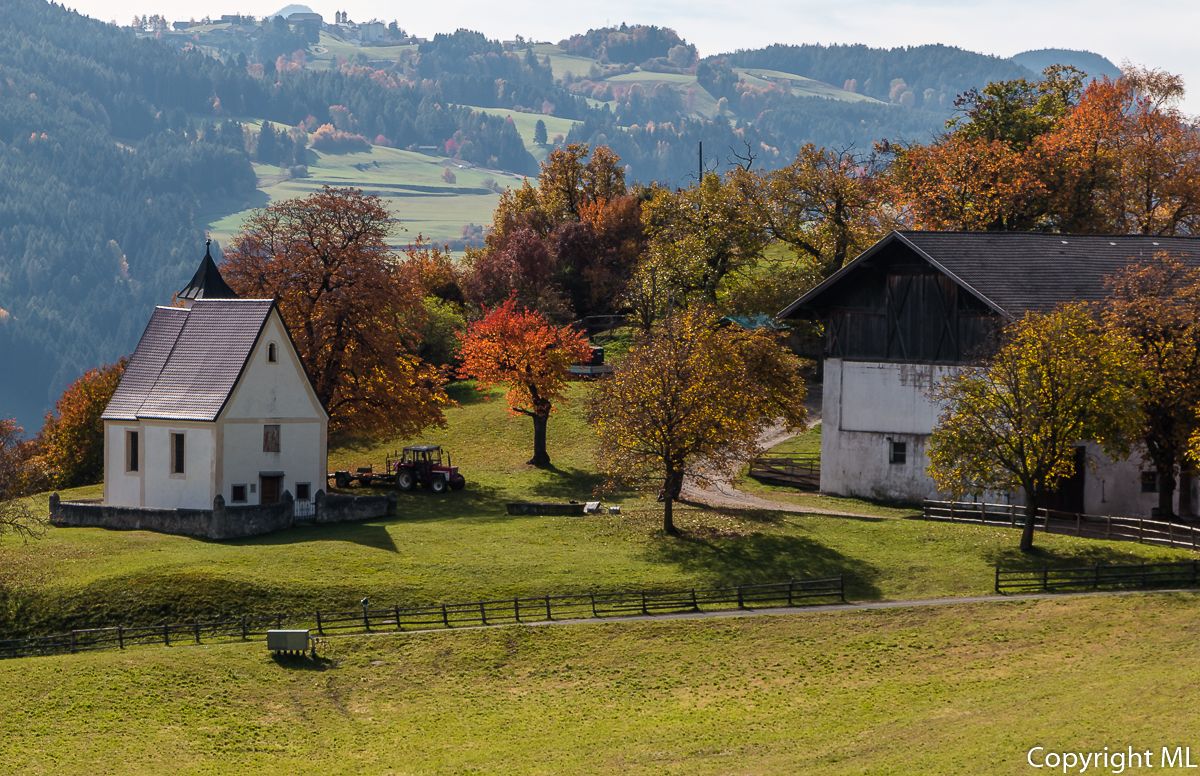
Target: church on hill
{"type": "Point", "coordinates": [214, 401]}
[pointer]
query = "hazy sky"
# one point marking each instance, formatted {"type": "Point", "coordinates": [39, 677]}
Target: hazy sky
{"type": "Point", "coordinates": [1159, 34]}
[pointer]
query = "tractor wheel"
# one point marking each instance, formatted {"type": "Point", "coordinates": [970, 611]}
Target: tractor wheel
{"type": "Point", "coordinates": [437, 485]}
{"type": "Point", "coordinates": [405, 480]}
{"type": "Point", "coordinates": [341, 480]}
{"type": "Point", "coordinates": [458, 484]}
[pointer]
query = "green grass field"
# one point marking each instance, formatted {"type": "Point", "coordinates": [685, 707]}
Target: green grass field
{"type": "Point", "coordinates": [412, 182]}
{"type": "Point", "coordinates": [949, 690]}
{"type": "Point", "coordinates": [464, 546]}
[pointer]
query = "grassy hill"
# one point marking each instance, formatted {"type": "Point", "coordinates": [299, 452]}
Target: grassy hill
{"type": "Point", "coordinates": [947, 690]}
{"type": "Point", "coordinates": [463, 546]}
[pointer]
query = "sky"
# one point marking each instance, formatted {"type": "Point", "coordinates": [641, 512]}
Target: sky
{"type": "Point", "coordinates": [1158, 34]}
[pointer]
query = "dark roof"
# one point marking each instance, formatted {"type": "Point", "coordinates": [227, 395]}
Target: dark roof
{"type": "Point", "coordinates": [207, 283]}
{"type": "Point", "coordinates": [188, 361]}
{"type": "Point", "coordinates": [1014, 272]}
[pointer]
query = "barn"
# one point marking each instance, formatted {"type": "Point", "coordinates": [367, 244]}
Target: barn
{"type": "Point", "coordinates": [916, 306]}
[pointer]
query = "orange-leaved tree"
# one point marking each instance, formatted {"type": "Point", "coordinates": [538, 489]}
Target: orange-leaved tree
{"type": "Point", "coordinates": [72, 437]}
{"type": "Point", "coordinates": [518, 347]}
{"type": "Point", "coordinates": [18, 478]}
{"type": "Point", "coordinates": [353, 311]}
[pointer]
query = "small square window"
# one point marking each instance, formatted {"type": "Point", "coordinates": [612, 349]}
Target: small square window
{"type": "Point", "coordinates": [1149, 482]}
{"type": "Point", "coordinates": [898, 452]}
{"type": "Point", "coordinates": [270, 439]}
{"type": "Point", "coordinates": [238, 494]}
{"type": "Point", "coordinates": [303, 491]}
{"type": "Point", "coordinates": [177, 452]}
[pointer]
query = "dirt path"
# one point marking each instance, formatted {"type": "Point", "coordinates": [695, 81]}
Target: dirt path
{"type": "Point", "coordinates": [721, 493]}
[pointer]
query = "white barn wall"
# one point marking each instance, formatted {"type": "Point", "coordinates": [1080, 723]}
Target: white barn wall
{"type": "Point", "coordinates": [121, 489]}
{"type": "Point", "coordinates": [299, 457]}
{"type": "Point", "coordinates": [866, 404]}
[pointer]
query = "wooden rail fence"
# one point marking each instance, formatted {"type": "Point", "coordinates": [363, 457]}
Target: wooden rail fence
{"type": "Point", "coordinates": [1106, 576]}
{"type": "Point", "coordinates": [797, 471]}
{"type": "Point", "coordinates": [439, 616]}
{"type": "Point", "coordinates": [1068, 523]}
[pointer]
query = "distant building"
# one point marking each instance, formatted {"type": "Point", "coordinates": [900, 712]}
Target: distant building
{"type": "Point", "coordinates": [178, 26]}
{"type": "Point", "coordinates": [305, 17]}
{"type": "Point", "coordinates": [214, 401]}
{"type": "Point", "coordinates": [919, 306]}
{"type": "Point", "coordinates": [371, 31]}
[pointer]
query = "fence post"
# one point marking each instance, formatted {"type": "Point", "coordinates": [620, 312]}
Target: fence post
{"type": "Point", "coordinates": [278, 621]}
{"type": "Point", "coordinates": [741, 603]}
{"type": "Point", "coordinates": [445, 617]}
{"type": "Point", "coordinates": [1141, 531]}
{"type": "Point", "coordinates": [1012, 515]}
{"type": "Point", "coordinates": [548, 617]}
{"type": "Point", "coordinates": [1171, 533]}
{"type": "Point", "coordinates": [396, 611]}
{"type": "Point", "coordinates": [167, 635]}
{"type": "Point", "coordinates": [320, 630]}
{"type": "Point", "coordinates": [695, 604]}
{"type": "Point", "coordinates": [517, 609]}
{"type": "Point", "coordinates": [121, 631]}
{"type": "Point", "coordinates": [842, 585]}
{"type": "Point", "coordinates": [1045, 577]}
{"type": "Point", "coordinates": [1078, 524]}
{"type": "Point", "coordinates": [196, 626]}
{"type": "Point", "coordinates": [1143, 573]}
{"type": "Point", "coordinates": [72, 642]}
{"type": "Point", "coordinates": [791, 584]}
{"type": "Point", "coordinates": [1108, 527]}
{"type": "Point", "coordinates": [244, 634]}
{"type": "Point", "coordinates": [951, 511]}
{"type": "Point", "coordinates": [482, 613]}
{"type": "Point", "coordinates": [593, 597]}
{"type": "Point", "coordinates": [1046, 521]}
{"type": "Point", "coordinates": [1096, 581]}
{"type": "Point", "coordinates": [997, 578]}
{"type": "Point", "coordinates": [982, 512]}
{"type": "Point", "coordinates": [644, 610]}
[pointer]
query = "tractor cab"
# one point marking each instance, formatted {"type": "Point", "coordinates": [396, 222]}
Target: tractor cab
{"type": "Point", "coordinates": [422, 456]}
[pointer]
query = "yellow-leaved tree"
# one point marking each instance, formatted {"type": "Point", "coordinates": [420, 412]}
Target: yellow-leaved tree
{"type": "Point", "coordinates": [1015, 421]}
{"type": "Point", "coordinates": [692, 398]}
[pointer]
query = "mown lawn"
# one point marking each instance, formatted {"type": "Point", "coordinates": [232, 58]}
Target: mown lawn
{"type": "Point", "coordinates": [464, 546]}
{"type": "Point", "coordinates": [967, 688]}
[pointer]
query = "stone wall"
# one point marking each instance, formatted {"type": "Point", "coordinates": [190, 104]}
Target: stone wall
{"type": "Point", "coordinates": [220, 522]}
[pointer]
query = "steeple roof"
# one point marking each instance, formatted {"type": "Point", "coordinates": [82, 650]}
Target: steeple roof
{"type": "Point", "coordinates": [207, 283]}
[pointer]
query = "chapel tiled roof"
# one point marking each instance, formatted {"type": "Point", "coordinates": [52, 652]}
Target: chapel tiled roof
{"type": "Point", "coordinates": [1015, 272]}
{"type": "Point", "coordinates": [189, 360]}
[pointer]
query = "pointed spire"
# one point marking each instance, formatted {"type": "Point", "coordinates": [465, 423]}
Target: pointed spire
{"type": "Point", "coordinates": [207, 283]}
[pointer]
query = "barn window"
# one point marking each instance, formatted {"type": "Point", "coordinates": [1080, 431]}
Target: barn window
{"type": "Point", "coordinates": [272, 353]}
{"type": "Point", "coordinates": [177, 452]}
{"type": "Point", "coordinates": [1149, 482]}
{"type": "Point", "coordinates": [131, 451]}
{"type": "Point", "coordinates": [303, 491]}
{"type": "Point", "coordinates": [238, 494]}
{"type": "Point", "coordinates": [897, 452]}
{"type": "Point", "coordinates": [270, 439]}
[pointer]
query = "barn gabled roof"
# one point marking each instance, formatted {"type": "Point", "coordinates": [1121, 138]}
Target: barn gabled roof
{"type": "Point", "coordinates": [1013, 272]}
{"type": "Point", "coordinates": [189, 360]}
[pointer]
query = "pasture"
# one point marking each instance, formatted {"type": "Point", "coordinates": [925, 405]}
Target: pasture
{"type": "Point", "coordinates": [966, 688]}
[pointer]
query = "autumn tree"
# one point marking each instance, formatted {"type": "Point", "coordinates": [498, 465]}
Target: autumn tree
{"type": "Point", "coordinates": [691, 398]}
{"type": "Point", "coordinates": [72, 436]}
{"type": "Point", "coordinates": [515, 346]}
{"type": "Point", "coordinates": [19, 477]}
{"type": "Point", "coordinates": [1015, 421]}
{"type": "Point", "coordinates": [1156, 304]}
{"type": "Point", "coordinates": [353, 312]}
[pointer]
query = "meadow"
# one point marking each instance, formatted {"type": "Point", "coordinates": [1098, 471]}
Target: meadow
{"type": "Point", "coordinates": [964, 688]}
{"type": "Point", "coordinates": [463, 546]}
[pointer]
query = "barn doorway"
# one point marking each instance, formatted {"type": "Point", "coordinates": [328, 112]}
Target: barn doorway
{"type": "Point", "coordinates": [1068, 496]}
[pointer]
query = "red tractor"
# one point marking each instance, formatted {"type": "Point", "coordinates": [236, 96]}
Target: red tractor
{"type": "Point", "coordinates": [422, 465]}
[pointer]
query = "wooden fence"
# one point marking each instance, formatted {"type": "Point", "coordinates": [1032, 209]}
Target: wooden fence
{"type": "Point", "coordinates": [1068, 523]}
{"type": "Point", "coordinates": [1106, 576]}
{"type": "Point", "coordinates": [439, 616]}
{"type": "Point", "coordinates": [797, 471]}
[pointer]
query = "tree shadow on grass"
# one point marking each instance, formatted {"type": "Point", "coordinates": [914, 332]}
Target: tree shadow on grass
{"type": "Point", "coordinates": [1011, 557]}
{"type": "Point", "coordinates": [305, 662]}
{"type": "Point", "coordinates": [762, 558]}
{"type": "Point", "coordinates": [568, 483]}
{"type": "Point", "coordinates": [370, 533]}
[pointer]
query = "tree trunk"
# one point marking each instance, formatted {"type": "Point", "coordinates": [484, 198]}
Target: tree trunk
{"type": "Point", "coordinates": [540, 456]}
{"type": "Point", "coordinates": [668, 519]}
{"type": "Point", "coordinates": [1032, 501]}
{"type": "Point", "coordinates": [1166, 494]}
{"type": "Point", "coordinates": [1186, 507]}
{"type": "Point", "coordinates": [672, 486]}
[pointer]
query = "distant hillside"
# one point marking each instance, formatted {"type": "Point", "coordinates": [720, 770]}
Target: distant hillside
{"type": "Point", "coordinates": [1092, 64]}
{"type": "Point", "coordinates": [932, 75]}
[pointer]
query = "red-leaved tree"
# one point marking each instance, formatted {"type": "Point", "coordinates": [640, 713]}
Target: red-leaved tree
{"type": "Point", "coordinates": [520, 348]}
{"type": "Point", "coordinates": [72, 437]}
